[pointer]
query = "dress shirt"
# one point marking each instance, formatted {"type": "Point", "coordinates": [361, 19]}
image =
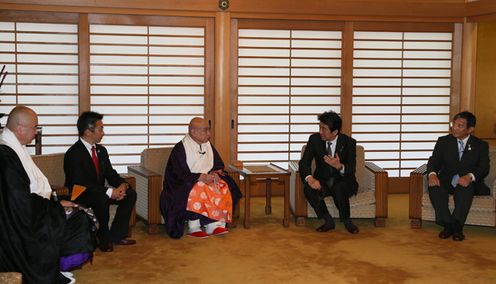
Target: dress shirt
{"type": "Point", "coordinates": [88, 147]}
{"type": "Point", "coordinates": [464, 145]}
{"type": "Point", "coordinates": [333, 150]}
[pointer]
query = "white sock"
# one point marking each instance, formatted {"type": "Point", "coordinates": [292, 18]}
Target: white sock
{"type": "Point", "coordinates": [69, 275]}
{"type": "Point", "coordinates": [212, 226]}
{"type": "Point", "coordinates": [194, 226]}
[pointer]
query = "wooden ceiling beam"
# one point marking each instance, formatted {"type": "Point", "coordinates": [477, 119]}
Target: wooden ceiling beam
{"type": "Point", "coordinates": [387, 10]}
{"type": "Point", "coordinates": [378, 8]}
{"type": "Point", "coordinates": [481, 11]}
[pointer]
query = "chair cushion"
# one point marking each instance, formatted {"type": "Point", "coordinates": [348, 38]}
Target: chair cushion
{"type": "Point", "coordinates": [481, 203]}
{"type": "Point", "coordinates": [481, 213]}
{"type": "Point", "coordinates": [362, 205]}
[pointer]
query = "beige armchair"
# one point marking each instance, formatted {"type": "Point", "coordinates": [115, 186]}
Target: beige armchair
{"type": "Point", "coordinates": [370, 202]}
{"type": "Point", "coordinates": [149, 183]}
{"type": "Point", "coordinates": [482, 212]}
{"type": "Point", "coordinates": [52, 166]}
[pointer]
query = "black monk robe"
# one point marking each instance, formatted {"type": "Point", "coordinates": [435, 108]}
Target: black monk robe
{"type": "Point", "coordinates": [33, 230]}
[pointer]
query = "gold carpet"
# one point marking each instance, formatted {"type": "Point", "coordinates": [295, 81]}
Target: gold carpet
{"type": "Point", "coordinates": [269, 253]}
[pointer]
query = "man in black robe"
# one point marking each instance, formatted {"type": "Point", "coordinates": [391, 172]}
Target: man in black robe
{"type": "Point", "coordinates": [186, 167]}
{"type": "Point", "coordinates": [34, 232]}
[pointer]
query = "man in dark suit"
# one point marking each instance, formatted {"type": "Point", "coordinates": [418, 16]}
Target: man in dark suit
{"type": "Point", "coordinates": [458, 165]}
{"type": "Point", "coordinates": [87, 164]}
{"type": "Point", "coordinates": [335, 160]}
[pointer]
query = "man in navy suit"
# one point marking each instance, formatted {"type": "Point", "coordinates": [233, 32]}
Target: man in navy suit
{"type": "Point", "coordinates": [458, 166]}
{"type": "Point", "coordinates": [87, 164]}
{"type": "Point", "coordinates": [335, 160]}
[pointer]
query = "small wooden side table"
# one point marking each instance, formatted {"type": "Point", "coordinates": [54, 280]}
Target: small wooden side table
{"type": "Point", "coordinates": [266, 173]}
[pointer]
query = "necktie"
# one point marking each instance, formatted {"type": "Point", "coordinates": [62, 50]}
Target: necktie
{"type": "Point", "coordinates": [460, 149]}
{"type": "Point", "coordinates": [330, 182]}
{"type": "Point", "coordinates": [329, 149]}
{"type": "Point", "coordinates": [454, 180]}
{"type": "Point", "coordinates": [94, 157]}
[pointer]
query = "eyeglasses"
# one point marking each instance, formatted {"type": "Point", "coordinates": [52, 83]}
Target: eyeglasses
{"type": "Point", "coordinates": [458, 125]}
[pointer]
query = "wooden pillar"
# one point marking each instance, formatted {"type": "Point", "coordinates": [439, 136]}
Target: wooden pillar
{"type": "Point", "coordinates": [222, 116]}
{"type": "Point", "coordinates": [84, 63]}
{"type": "Point", "coordinates": [347, 78]}
{"type": "Point", "coordinates": [469, 64]}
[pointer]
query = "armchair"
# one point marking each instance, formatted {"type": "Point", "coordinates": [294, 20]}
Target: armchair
{"type": "Point", "coordinates": [149, 182]}
{"type": "Point", "coordinates": [482, 212]}
{"type": "Point", "coordinates": [370, 202]}
{"type": "Point", "coordinates": [52, 166]}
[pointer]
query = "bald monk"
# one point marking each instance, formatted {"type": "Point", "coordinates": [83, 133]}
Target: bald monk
{"type": "Point", "coordinates": [35, 237]}
{"type": "Point", "coordinates": [196, 188]}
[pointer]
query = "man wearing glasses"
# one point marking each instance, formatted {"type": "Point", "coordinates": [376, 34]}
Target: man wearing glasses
{"type": "Point", "coordinates": [458, 165]}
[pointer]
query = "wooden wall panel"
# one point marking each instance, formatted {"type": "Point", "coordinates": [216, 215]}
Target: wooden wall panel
{"type": "Point", "coordinates": [29, 16]}
{"type": "Point", "coordinates": [485, 97]}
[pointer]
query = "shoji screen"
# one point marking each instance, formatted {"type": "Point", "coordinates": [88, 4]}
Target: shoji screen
{"type": "Point", "coordinates": [42, 61]}
{"type": "Point", "coordinates": [286, 77]}
{"type": "Point", "coordinates": [148, 81]}
{"type": "Point", "coordinates": [401, 95]}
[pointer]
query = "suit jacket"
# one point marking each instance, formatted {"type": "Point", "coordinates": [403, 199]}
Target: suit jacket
{"type": "Point", "coordinates": [316, 150]}
{"type": "Point", "coordinates": [445, 161]}
{"type": "Point", "coordinates": [79, 169]}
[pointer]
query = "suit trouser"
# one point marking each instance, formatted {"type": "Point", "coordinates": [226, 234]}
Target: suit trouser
{"type": "Point", "coordinates": [463, 197]}
{"type": "Point", "coordinates": [100, 202]}
{"type": "Point", "coordinates": [340, 194]}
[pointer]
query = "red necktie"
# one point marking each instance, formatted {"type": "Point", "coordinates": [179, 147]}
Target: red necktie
{"type": "Point", "coordinates": [94, 157]}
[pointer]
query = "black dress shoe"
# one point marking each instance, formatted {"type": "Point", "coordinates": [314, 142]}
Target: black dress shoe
{"type": "Point", "coordinates": [106, 247]}
{"type": "Point", "coordinates": [352, 228]}
{"type": "Point", "coordinates": [446, 232]}
{"type": "Point", "coordinates": [326, 227]}
{"type": "Point", "coordinates": [125, 242]}
{"type": "Point", "coordinates": [458, 237]}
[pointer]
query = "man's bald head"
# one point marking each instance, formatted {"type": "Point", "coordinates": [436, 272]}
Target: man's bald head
{"type": "Point", "coordinates": [199, 130]}
{"type": "Point", "coordinates": [23, 121]}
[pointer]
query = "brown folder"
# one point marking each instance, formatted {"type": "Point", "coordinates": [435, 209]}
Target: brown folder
{"type": "Point", "coordinates": [77, 190]}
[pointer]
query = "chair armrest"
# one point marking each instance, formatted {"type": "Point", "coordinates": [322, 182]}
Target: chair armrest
{"type": "Point", "coordinates": [60, 190]}
{"type": "Point", "coordinates": [142, 171]}
{"type": "Point", "coordinates": [148, 187]}
{"type": "Point", "coordinates": [299, 203]}
{"type": "Point", "coordinates": [233, 170]}
{"type": "Point", "coordinates": [132, 182]}
{"type": "Point", "coordinates": [493, 189]}
{"type": "Point", "coordinates": [416, 192]}
{"type": "Point", "coordinates": [381, 188]}
{"type": "Point", "coordinates": [294, 166]}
